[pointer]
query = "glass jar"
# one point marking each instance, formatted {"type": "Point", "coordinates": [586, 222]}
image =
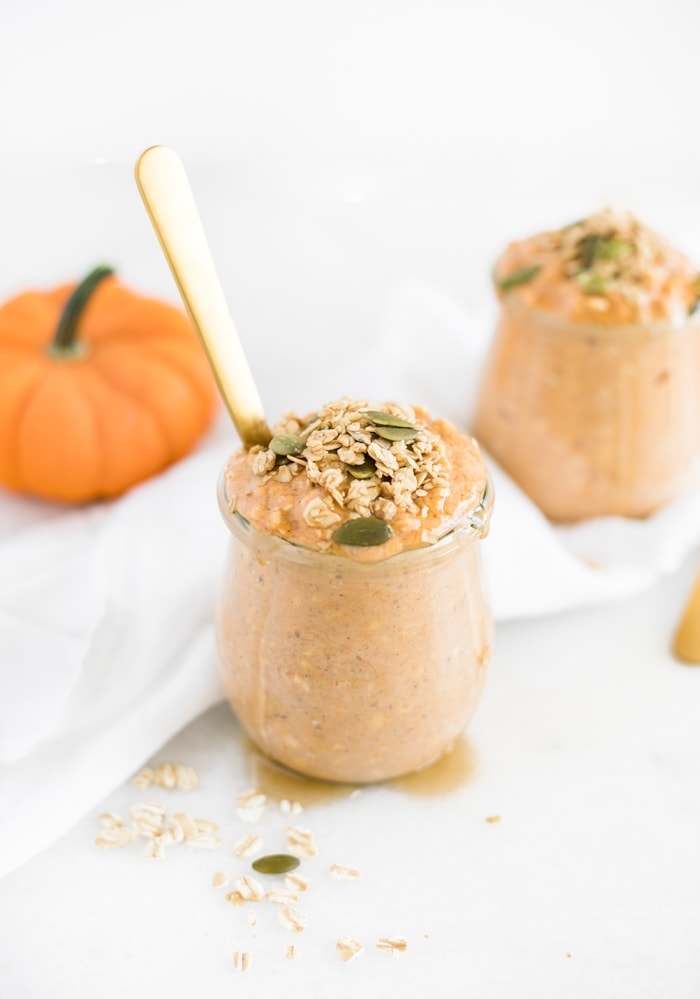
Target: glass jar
{"type": "Point", "coordinates": [591, 419]}
{"type": "Point", "coordinates": [347, 670]}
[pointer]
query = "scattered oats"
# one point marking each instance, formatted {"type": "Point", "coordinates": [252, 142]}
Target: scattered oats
{"type": "Point", "coordinates": [186, 777]}
{"type": "Point", "coordinates": [291, 952]}
{"type": "Point", "coordinates": [219, 880]}
{"type": "Point", "coordinates": [235, 898]}
{"type": "Point", "coordinates": [155, 850]}
{"type": "Point", "coordinates": [251, 805]}
{"type": "Point", "coordinates": [493, 818]}
{"type": "Point", "coordinates": [169, 837]}
{"type": "Point", "coordinates": [343, 872]}
{"type": "Point", "coordinates": [118, 836]}
{"type": "Point", "coordinates": [248, 846]}
{"type": "Point", "coordinates": [186, 823]}
{"type": "Point", "coordinates": [569, 953]}
{"type": "Point", "coordinates": [252, 918]}
{"type": "Point", "coordinates": [176, 832]}
{"type": "Point", "coordinates": [143, 778]}
{"type": "Point", "coordinates": [110, 820]}
{"type": "Point", "coordinates": [291, 807]}
{"type": "Point", "coordinates": [292, 919]}
{"type": "Point", "coordinates": [148, 809]}
{"type": "Point", "coordinates": [282, 897]}
{"type": "Point", "coordinates": [165, 776]}
{"type": "Point", "coordinates": [392, 945]}
{"type": "Point", "coordinates": [295, 882]}
{"type": "Point", "coordinates": [348, 949]}
{"type": "Point", "coordinates": [300, 842]}
{"type": "Point", "coordinates": [147, 818]}
{"type": "Point", "coordinates": [241, 960]}
{"type": "Point", "coordinates": [249, 888]}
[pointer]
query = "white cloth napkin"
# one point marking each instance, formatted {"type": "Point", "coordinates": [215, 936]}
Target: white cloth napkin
{"type": "Point", "coordinates": [106, 612]}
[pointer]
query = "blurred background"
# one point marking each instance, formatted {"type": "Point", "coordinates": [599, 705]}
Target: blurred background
{"type": "Point", "coordinates": [339, 150]}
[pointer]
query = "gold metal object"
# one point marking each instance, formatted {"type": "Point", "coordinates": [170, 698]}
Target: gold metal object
{"type": "Point", "coordinates": [686, 642]}
{"type": "Point", "coordinates": [168, 198]}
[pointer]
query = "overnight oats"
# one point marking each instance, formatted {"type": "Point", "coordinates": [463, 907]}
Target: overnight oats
{"type": "Point", "coordinates": [591, 396]}
{"type": "Point", "coordinates": [353, 631]}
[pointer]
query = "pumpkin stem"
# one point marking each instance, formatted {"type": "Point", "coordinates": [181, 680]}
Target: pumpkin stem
{"type": "Point", "coordinates": [65, 339]}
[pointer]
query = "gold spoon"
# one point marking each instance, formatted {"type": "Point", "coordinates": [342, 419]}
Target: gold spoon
{"type": "Point", "coordinates": [168, 198]}
{"type": "Point", "coordinates": [686, 642]}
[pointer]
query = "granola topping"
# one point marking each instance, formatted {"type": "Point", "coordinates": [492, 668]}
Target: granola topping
{"type": "Point", "coordinates": [404, 477]}
{"type": "Point", "coordinates": [607, 268]}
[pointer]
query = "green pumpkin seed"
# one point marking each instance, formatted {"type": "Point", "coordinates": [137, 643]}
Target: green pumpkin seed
{"type": "Point", "coordinates": [286, 444]}
{"type": "Point", "coordinates": [364, 532]}
{"type": "Point", "coordinates": [588, 250]}
{"type": "Point", "coordinates": [275, 863]}
{"type": "Point", "coordinates": [519, 277]}
{"type": "Point", "coordinates": [592, 284]}
{"type": "Point", "coordinates": [364, 471]}
{"type": "Point", "coordinates": [387, 420]}
{"type": "Point", "coordinates": [396, 433]}
{"type": "Point", "coordinates": [613, 249]}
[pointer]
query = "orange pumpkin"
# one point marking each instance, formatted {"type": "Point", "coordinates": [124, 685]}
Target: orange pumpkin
{"type": "Point", "coordinates": [100, 388]}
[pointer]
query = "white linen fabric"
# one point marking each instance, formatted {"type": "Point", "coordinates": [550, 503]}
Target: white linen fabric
{"type": "Point", "coordinates": [106, 612]}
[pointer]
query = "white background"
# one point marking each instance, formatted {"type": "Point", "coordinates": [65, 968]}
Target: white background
{"type": "Point", "coordinates": [339, 150]}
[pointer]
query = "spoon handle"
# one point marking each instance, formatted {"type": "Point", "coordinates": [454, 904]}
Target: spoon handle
{"type": "Point", "coordinates": [168, 198]}
{"type": "Point", "coordinates": [686, 643]}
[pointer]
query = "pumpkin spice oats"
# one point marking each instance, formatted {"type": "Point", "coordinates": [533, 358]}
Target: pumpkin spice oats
{"type": "Point", "coordinates": [415, 476]}
{"type": "Point", "coordinates": [353, 630]}
{"type": "Point", "coordinates": [591, 395]}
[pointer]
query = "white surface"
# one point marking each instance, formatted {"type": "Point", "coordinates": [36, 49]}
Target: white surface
{"type": "Point", "coordinates": [588, 746]}
{"type": "Point", "coordinates": [339, 151]}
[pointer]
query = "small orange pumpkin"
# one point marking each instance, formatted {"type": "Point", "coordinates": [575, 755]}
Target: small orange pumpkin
{"type": "Point", "coordinates": [100, 388]}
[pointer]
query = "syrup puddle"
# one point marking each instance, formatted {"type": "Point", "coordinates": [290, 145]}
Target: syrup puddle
{"type": "Point", "coordinates": [445, 776]}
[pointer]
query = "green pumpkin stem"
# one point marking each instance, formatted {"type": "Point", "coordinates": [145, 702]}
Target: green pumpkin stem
{"type": "Point", "coordinates": [65, 340]}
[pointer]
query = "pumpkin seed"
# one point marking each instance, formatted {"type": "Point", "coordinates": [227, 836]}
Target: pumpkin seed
{"type": "Point", "coordinates": [275, 863]}
{"type": "Point", "coordinates": [592, 284]}
{"type": "Point", "coordinates": [613, 249]}
{"type": "Point", "coordinates": [364, 471]}
{"type": "Point", "coordinates": [364, 532]}
{"type": "Point", "coordinates": [519, 277]}
{"type": "Point", "coordinates": [286, 444]}
{"type": "Point", "coordinates": [588, 250]}
{"type": "Point", "coordinates": [387, 420]}
{"type": "Point", "coordinates": [396, 433]}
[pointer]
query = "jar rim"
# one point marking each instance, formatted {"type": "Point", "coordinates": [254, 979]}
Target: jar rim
{"type": "Point", "coordinates": [471, 527]}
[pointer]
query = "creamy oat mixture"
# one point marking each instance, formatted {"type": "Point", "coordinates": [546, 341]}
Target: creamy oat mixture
{"type": "Point", "coordinates": [340, 661]}
{"type": "Point", "coordinates": [590, 398]}
{"type": "Point", "coordinates": [354, 460]}
{"type": "Point", "coordinates": [609, 268]}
